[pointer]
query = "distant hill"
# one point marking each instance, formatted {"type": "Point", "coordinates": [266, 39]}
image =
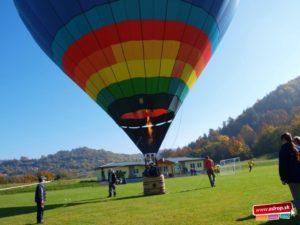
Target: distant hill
{"type": "Point", "coordinates": [78, 161]}
{"type": "Point", "coordinates": [255, 132]}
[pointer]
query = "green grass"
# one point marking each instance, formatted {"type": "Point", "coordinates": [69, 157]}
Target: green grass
{"type": "Point", "coordinates": [189, 200]}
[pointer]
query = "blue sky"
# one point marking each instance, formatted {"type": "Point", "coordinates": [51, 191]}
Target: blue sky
{"type": "Point", "coordinates": [42, 111]}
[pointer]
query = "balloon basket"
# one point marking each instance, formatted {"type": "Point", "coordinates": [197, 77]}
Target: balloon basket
{"type": "Point", "coordinates": [154, 185]}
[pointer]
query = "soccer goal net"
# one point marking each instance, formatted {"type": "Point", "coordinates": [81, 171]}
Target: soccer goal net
{"type": "Point", "coordinates": [230, 166]}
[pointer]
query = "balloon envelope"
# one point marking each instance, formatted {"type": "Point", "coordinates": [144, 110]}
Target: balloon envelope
{"type": "Point", "coordinates": [136, 58]}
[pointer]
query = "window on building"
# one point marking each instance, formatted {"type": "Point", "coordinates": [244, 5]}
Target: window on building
{"type": "Point", "coordinates": [192, 165]}
{"type": "Point", "coordinates": [136, 171]}
{"type": "Point", "coordinates": [199, 165]}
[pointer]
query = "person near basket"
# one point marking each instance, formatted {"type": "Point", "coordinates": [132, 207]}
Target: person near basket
{"type": "Point", "coordinates": [112, 181]}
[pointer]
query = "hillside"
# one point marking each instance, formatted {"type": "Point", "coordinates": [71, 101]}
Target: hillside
{"type": "Point", "coordinates": [255, 132]}
{"type": "Point", "coordinates": [78, 161]}
{"type": "Point", "coordinates": [276, 109]}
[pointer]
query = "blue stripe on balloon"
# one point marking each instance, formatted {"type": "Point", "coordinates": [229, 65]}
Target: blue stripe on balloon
{"type": "Point", "coordinates": [155, 9]}
{"type": "Point", "coordinates": [178, 10]}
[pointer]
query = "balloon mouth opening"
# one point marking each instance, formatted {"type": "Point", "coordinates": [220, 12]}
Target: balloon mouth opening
{"type": "Point", "coordinates": [146, 119]}
{"type": "Point", "coordinates": [144, 114]}
{"type": "Point", "coordinates": [148, 133]}
{"type": "Point", "coordinates": [147, 125]}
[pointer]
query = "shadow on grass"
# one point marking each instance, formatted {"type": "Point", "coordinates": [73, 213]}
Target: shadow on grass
{"type": "Point", "coordinates": [15, 211]}
{"type": "Point", "coordinates": [20, 210]}
{"type": "Point", "coordinates": [131, 197]}
{"type": "Point", "coordinates": [250, 217]}
{"type": "Point", "coordinates": [194, 189]}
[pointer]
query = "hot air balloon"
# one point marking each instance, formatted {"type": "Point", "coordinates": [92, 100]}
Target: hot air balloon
{"type": "Point", "coordinates": [137, 59]}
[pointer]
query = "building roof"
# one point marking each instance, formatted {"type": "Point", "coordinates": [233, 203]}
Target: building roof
{"type": "Point", "coordinates": [121, 164]}
{"type": "Point", "coordinates": [182, 159]}
{"type": "Point", "coordinates": [141, 163]}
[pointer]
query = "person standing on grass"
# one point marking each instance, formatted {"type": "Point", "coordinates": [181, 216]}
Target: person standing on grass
{"type": "Point", "coordinates": [112, 180]}
{"type": "Point", "coordinates": [250, 165]}
{"type": "Point", "coordinates": [289, 168]}
{"type": "Point", "coordinates": [209, 166]}
{"type": "Point", "coordinates": [40, 198]}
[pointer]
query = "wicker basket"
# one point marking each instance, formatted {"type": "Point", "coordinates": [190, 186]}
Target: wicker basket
{"type": "Point", "coordinates": [154, 185]}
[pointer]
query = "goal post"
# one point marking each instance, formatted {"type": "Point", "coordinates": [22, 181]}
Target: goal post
{"type": "Point", "coordinates": [230, 166]}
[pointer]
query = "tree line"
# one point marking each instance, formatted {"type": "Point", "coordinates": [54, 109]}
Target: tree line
{"type": "Point", "coordinates": [78, 162]}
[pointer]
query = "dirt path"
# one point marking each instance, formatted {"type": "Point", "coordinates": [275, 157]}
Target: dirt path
{"type": "Point", "coordinates": [21, 186]}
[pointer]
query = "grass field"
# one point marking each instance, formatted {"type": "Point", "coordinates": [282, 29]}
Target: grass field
{"type": "Point", "coordinates": [189, 200]}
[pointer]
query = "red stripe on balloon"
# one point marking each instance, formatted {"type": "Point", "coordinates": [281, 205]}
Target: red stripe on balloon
{"type": "Point", "coordinates": [94, 53]}
{"type": "Point", "coordinates": [195, 48]}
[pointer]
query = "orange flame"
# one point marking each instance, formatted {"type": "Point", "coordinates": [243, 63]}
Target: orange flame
{"type": "Point", "coordinates": [150, 130]}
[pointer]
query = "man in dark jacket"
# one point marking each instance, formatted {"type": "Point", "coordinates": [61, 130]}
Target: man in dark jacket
{"type": "Point", "coordinates": [40, 198]}
{"type": "Point", "coordinates": [112, 180]}
{"type": "Point", "coordinates": [289, 168]}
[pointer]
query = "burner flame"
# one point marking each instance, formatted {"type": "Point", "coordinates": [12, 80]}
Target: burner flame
{"type": "Point", "coordinates": [150, 130]}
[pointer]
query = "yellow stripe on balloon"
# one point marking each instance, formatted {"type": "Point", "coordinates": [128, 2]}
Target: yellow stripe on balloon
{"type": "Point", "coordinates": [136, 68]}
{"type": "Point", "coordinates": [133, 50]}
{"type": "Point", "coordinates": [120, 71]}
{"type": "Point", "coordinates": [192, 80]}
{"type": "Point", "coordinates": [91, 93]}
{"type": "Point", "coordinates": [95, 82]}
{"type": "Point", "coordinates": [147, 49]}
{"type": "Point", "coordinates": [166, 67]}
{"type": "Point", "coordinates": [118, 52]}
{"type": "Point", "coordinates": [152, 67]}
{"type": "Point", "coordinates": [188, 75]}
{"type": "Point", "coordinates": [187, 70]}
{"type": "Point", "coordinates": [152, 49]}
{"type": "Point", "coordinates": [170, 49]}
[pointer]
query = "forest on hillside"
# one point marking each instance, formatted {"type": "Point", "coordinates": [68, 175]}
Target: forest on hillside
{"type": "Point", "coordinates": [255, 132]}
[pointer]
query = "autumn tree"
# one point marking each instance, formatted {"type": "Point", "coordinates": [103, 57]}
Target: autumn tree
{"type": "Point", "coordinates": [248, 135]}
{"type": "Point", "coordinates": [47, 174]}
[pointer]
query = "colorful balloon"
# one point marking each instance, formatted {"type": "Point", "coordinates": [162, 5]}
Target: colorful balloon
{"type": "Point", "coordinates": [136, 58]}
